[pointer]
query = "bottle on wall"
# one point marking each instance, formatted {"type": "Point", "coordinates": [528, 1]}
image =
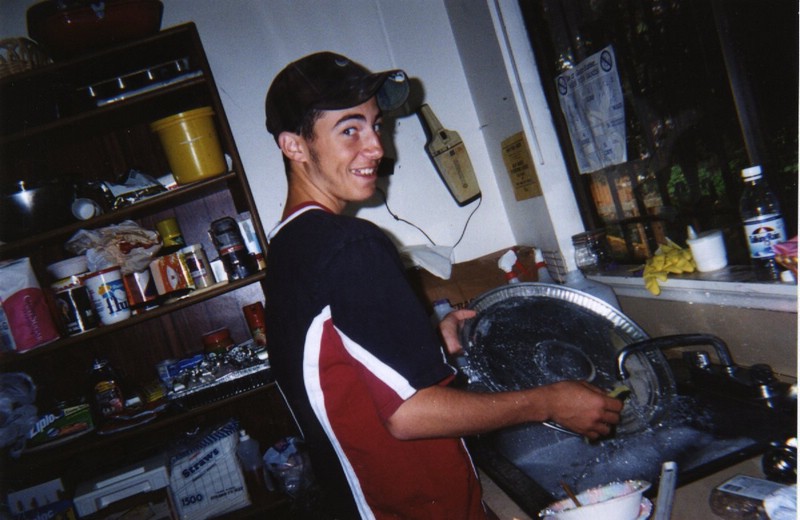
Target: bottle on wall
{"type": "Point", "coordinates": [762, 222]}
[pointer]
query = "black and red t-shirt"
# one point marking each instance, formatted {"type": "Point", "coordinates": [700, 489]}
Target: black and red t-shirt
{"type": "Point", "coordinates": [348, 342]}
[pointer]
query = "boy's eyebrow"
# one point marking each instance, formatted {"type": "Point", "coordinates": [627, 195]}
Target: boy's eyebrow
{"type": "Point", "coordinates": [355, 116]}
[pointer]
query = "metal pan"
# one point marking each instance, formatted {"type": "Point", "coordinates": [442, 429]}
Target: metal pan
{"type": "Point", "coordinates": [532, 334]}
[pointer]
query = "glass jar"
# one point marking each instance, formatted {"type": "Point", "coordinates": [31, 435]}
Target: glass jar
{"type": "Point", "coordinates": [591, 251]}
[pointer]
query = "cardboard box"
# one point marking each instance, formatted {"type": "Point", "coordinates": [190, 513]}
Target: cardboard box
{"type": "Point", "coordinates": [59, 424]}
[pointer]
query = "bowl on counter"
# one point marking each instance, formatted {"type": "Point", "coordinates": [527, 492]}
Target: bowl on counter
{"type": "Point", "coordinates": [613, 501]}
{"type": "Point", "coordinates": [66, 28]}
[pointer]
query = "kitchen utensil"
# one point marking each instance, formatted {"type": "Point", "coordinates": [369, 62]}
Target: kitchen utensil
{"type": "Point", "coordinates": [451, 159]}
{"type": "Point", "coordinates": [66, 28]}
{"type": "Point", "coordinates": [570, 494]}
{"type": "Point", "coordinates": [666, 490]}
{"type": "Point", "coordinates": [613, 501]}
{"type": "Point", "coordinates": [530, 334]}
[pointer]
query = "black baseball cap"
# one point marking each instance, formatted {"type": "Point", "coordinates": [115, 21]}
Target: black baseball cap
{"type": "Point", "coordinates": [328, 81]}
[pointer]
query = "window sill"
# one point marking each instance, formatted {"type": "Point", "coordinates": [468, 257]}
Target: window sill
{"type": "Point", "coordinates": [733, 286]}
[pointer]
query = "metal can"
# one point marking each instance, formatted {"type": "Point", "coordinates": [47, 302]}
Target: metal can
{"type": "Point", "coordinates": [74, 306]}
{"type": "Point", "coordinates": [254, 314]}
{"type": "Point", "coordinates": [198, 265]}
{"type": "Point", "coordinates": [232, 250]}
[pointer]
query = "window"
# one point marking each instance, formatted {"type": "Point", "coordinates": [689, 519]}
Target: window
{"type": "Point", "coordinates": [710, 87]}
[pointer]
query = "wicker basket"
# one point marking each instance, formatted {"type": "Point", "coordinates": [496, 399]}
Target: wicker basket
{"type": "Point", "coordinates": [20, 54]}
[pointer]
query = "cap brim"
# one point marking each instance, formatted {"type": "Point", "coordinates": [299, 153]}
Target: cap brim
{"type": "Point", "coordinates": [390, 88]}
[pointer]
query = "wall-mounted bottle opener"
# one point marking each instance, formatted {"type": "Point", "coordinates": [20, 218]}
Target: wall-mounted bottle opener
{"type": "Point", "coordinates": [451, 159]}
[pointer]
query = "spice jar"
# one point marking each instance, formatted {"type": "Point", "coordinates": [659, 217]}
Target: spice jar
{"type": "Point", "coordinates": [231, 248]}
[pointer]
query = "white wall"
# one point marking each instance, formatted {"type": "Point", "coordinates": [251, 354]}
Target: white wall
{"type": "Point", "coordinates": [249, 41]}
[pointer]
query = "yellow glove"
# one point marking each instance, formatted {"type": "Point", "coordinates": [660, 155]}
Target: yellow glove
{"type": "Point", "coordinates": [669, 258]}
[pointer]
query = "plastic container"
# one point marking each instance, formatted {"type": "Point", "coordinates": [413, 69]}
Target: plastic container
{"type": "Point", "coordinates": [252, 463]}
{"type": "Point", "coordinates": [171, 236]}
{"type": "Point", "coordinates": [762, 222]}
{"type": "Point", "coordinates": [190, 141]}
{"type": "Point", "coordinates": [68, 267]}
{"type": "Point", "coordinates": [108, 295]}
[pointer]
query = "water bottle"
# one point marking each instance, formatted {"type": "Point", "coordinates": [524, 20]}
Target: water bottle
{"type": "Point", "coordinates": [249, 454]}
{"type": "Point", "coordinates": [762, 222]}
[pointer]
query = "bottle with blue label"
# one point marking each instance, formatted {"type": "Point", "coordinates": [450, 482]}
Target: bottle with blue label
{"type": "Point", "coordinates": [763, 223]}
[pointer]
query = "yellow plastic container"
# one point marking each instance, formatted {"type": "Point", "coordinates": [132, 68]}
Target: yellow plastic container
{"type": "Point", "coordinates": [190, 141]}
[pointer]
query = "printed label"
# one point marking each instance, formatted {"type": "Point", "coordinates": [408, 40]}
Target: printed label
{"type": "Point", "coordinates": [762, 232]}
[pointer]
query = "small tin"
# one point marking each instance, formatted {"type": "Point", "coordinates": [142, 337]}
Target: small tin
{"type": "Point", "coordinates": [198, 265]}
{"type": "Point", "coordinates": [171, 275]}
{"type": "Point", "coordinates": [141, 290]}
{"type": "Point", "coordinates": [74, 306]}
{"type": "Point", "coordinates": [254, 314]}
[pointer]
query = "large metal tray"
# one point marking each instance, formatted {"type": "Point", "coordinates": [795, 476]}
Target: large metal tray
{"type": "Point", "coordinates": [532, 334]}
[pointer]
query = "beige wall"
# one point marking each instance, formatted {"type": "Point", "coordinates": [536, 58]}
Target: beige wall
{"type": "Point", "coordinates": [753, 336]}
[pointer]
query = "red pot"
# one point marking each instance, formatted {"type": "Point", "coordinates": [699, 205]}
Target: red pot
{"type": "Point", "coordinates": [66, 28]}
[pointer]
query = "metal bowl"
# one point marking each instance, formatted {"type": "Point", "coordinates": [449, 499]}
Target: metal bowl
{"type": "Point", "coordinates": [27, 209]}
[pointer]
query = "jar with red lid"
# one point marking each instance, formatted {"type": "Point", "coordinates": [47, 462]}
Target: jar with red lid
{"type": "Point", "coordinates": [217, 341]}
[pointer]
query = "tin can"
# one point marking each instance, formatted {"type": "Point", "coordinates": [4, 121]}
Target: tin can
{"type": "Point", "coordinates": [254, 314]}
{"type": "Point", "coordinates": [198, 265]}
{"type": "Point", "coordinates": [232, 250]}
{"type": "Point", "coordinates": [74, 306]}
{"type": "Point", "coordinates": [141, 290]}
{"type": "Point", "coordinates": [171, 275]}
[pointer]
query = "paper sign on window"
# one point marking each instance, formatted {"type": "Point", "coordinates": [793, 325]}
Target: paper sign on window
{"type": "Point", "coordinates": [591, 100]}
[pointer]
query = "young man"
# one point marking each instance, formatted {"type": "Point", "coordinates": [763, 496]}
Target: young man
{"type": "Point", "coordinates": [351, 347]}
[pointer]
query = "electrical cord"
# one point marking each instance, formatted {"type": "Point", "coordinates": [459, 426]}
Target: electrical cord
{"type": "Point", "coordinates": [396, 217]}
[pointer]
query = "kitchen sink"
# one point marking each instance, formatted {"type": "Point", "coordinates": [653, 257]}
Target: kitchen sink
{"type": "Point", "coordinates": [703, 415]}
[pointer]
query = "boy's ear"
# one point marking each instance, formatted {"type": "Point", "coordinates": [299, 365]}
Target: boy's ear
{"type": "Point", "coordinates": [292, 146]}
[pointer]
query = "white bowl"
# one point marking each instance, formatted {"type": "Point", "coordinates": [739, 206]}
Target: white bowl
{"type": "Point", "coordinates": [68, 267]}
{"type": "Point", "coordinates": [613, 501]}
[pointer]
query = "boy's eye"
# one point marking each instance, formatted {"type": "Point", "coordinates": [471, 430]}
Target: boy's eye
{"type": "Point", "coordinates": [349, 131]}
{"type": "Point", "coordinates": [377, 127]}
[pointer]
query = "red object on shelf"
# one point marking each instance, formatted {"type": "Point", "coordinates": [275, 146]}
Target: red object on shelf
{"type": "Point", "coordinates": [66, 28]}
